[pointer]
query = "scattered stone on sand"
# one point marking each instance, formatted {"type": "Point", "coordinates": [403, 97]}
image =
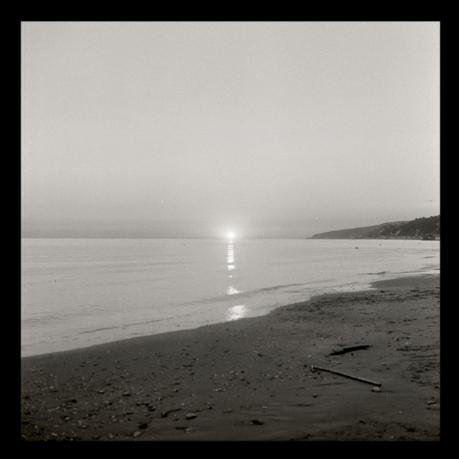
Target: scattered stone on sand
{"type": "Point", "coordinates": [191, 416]}
{"type": "Point", "coordinates": [257, 422]}
{"type": "Point", "coordinates": [166, 413]}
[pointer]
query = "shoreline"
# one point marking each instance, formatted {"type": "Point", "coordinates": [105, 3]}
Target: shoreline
{"type": "Point", "coordinates": [369, 286]}
{"type": "Point", "coordinates": [251, 379]}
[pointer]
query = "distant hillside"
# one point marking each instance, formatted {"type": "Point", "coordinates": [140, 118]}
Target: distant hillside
{"type": "Point", "coordinates": [419, 228]}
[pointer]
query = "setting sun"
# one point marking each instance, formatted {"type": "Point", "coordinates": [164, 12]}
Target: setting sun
{"type": "Point", "coordinates": [230, 235]}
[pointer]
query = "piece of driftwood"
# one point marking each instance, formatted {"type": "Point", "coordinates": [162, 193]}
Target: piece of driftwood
{"type": "Point", "coordinates": [345, 350]}
{"type": "Point", "coordinates": [339, 373]}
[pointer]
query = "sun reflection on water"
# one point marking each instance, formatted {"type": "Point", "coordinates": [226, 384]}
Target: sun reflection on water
{"type": "Point", "coordinates": [240, 310]}
{"type": "Point", "coordinates": [230, 265]}
{"type": "Point", "coordinates": [231, 290]}
{"type": "Point", "coordinates": [236, 312]}
{"type": "Point", "coordinates": [230, 254]}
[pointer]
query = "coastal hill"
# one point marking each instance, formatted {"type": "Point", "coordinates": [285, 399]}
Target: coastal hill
{"type": "Point", "coordinates": [419, 228]}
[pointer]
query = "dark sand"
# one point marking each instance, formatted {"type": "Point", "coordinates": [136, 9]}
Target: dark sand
{"type": "Point", "coordinates": [251, 379]}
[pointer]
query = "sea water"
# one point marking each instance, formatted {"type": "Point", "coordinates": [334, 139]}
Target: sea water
{"type": "Point", "coordinates": [80, 292]}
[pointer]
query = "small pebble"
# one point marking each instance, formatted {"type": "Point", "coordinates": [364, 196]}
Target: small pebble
{"type": "Point", "coordinates": [257, 422]}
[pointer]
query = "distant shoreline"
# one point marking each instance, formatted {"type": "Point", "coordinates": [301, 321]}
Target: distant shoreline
{"type": "Point", "coordinates": [424, 228]}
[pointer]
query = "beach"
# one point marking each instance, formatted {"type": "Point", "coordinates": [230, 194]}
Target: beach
{"type": "Point", "coordinates": [254, 378]}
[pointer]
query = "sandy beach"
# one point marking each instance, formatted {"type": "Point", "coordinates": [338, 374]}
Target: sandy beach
{"type": "Point", "coordinates": [253, 379]}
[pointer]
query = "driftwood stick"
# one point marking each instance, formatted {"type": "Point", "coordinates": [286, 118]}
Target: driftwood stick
{"type": "Point", "coordinates": [356, 378]}
{"type": "Point", "coordinates": [345, 350]}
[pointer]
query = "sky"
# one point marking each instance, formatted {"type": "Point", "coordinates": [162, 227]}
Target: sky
{"type": "Point", "coordinates": [188, 129]}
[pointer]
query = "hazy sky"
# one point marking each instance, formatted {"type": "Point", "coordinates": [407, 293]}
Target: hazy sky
{"type": "Point", "coordinates": [185, 129]}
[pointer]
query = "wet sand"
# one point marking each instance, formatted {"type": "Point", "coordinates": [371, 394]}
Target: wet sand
{"type": "Point", "coordinates": [252, 379]}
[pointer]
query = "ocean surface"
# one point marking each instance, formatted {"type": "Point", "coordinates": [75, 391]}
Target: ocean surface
{"type": "Point", "coordinates": [80, 292]}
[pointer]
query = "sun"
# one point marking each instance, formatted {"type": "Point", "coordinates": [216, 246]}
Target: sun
{"type": "Point", "coordinates": [230, 235]}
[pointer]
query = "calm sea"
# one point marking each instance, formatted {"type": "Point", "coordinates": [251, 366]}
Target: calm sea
{"type": "Point", "coordinates": [81, 292]}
